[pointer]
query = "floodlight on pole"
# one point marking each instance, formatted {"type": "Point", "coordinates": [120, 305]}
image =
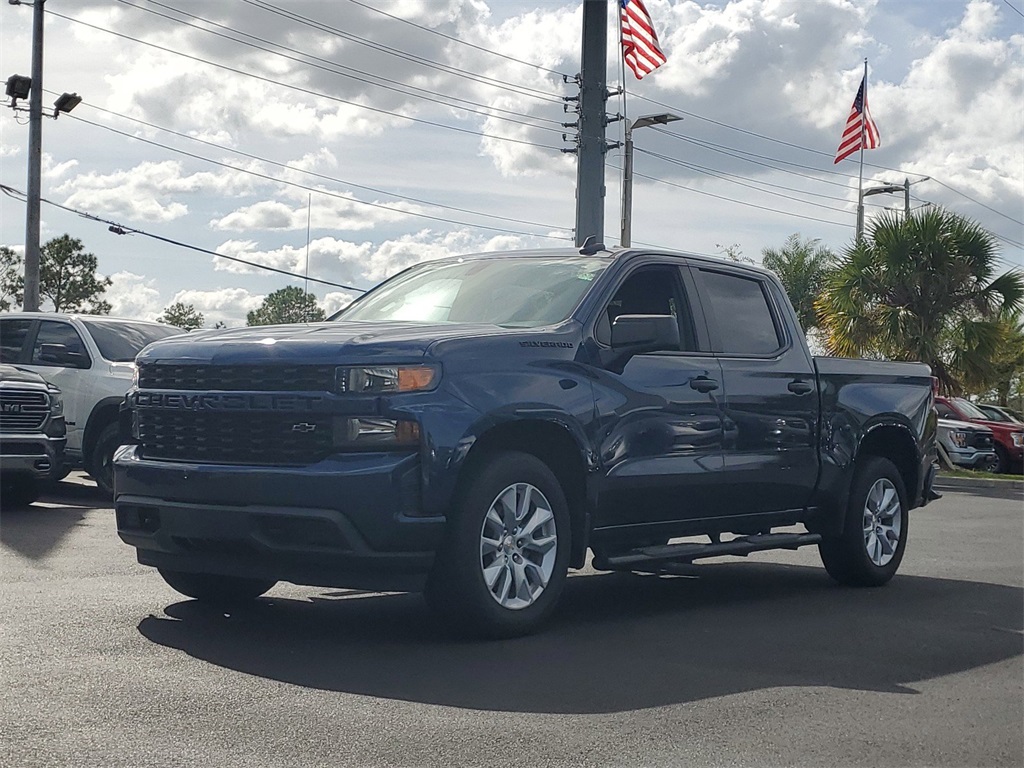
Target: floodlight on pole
{"type": "Point", "coordinates": [890, 188]}
{"type": "Point", "coordinates": [65, 103]}
{"type": "Point", "coordinates": [644, 121]}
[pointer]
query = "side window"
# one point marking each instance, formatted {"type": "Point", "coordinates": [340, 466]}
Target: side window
{"type": "Point", "coordinates": [52, 332]}
{"type": "Point", "coordinates": [13, 333]}
{"type": "Point", "coordinates": [650, 291]}
{"type": "Point", "coordinates": [944, 411]}
{"type": "Point", "coordinates": [740, 307]}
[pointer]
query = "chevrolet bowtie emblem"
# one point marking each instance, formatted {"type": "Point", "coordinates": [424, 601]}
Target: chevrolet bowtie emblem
{"type": "Point", "coordinates": [303, 427]}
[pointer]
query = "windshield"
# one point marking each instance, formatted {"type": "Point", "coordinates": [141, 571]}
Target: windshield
{"type": "Point", "coordinates": [121, 342]}
{"type": "Point", "coordinates": [969, 409]}
{"type": "Point", "coordinates": [509, 290]}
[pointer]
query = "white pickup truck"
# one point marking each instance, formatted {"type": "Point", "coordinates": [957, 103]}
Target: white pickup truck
{"type": "Point", "coordinates": [91, 358]}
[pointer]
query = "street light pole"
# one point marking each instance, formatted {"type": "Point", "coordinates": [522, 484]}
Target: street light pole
{"type": "Point", "coordinates": [894, 188]}
{"type": "Point", "coordinates": [627, 170]}
{"type": "Point", "coordinates": [35, 156]}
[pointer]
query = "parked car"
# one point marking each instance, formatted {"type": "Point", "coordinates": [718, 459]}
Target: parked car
{"type": "Point", "coordinates": [91, 359]}
{"type": "Point", "coordinates": [32, 435]}
{"type": "Point", "coordinates": [968, 445]}
{"type": "Point", "coordinates": [472, 427]}
{"type": "Point", "coordinates": [998, 413]}
{"type": "Point", "coordinates": [1009, 437]}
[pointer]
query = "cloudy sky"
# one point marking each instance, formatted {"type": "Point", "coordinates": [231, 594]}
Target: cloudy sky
{"type": "Point", "coordinates": [394, 131]}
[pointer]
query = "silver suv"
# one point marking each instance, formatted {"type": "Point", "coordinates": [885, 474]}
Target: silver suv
{"type": "Point", "coordinates": [91, 358]}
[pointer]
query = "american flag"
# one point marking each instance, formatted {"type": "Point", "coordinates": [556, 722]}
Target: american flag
{"type": "Point", "coordinates": [859, 116]}
{"type": "Point", "coordinates": [640, 47]}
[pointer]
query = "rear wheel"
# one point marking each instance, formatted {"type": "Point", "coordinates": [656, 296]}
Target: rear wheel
{"type": "Point", "coordinates": [214, 588]}
{"type": "Point", "coordinates": [505, 559]}
{"type": "Point", "coordinates": [869, 550]}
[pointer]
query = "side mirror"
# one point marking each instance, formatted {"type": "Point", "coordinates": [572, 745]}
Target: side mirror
{"type": "Point", "coordinates": [645, 333]}
{"type": "Point", "coordinates": [58, 354]}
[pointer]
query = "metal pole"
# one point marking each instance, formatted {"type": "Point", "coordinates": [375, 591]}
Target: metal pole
{"type": "Point", "coordinates": [860, 181]}
{"type": "Point", "coordinates": [35, 156]}
{"type": "Point", "coordinates": [906, 197]}
{"type": "Point", "coordinates": [590, 189]}
{"type": "Point", "coordinates": [627, 189]}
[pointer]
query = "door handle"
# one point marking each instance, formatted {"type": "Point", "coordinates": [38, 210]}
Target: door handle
{"type": "Point", "coordinates": [703, 384]}
{"type": "Point", "coordinates": [800, 387]}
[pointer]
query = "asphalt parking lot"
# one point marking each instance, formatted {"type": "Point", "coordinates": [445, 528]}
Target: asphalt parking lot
{"type": "Point", "coordinates": [756, 662]}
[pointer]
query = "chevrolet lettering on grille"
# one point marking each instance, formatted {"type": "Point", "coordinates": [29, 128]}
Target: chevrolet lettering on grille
{"type": "Point", "coordinates": [228, 401]}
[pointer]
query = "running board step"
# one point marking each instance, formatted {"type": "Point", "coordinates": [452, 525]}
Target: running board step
{"type": "Point", "coordinates": [686, 553]}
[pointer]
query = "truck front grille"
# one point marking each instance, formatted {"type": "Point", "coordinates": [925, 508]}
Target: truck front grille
{"type": "Point", "coordinates": [22, 410]}
{"type": "Point", "coordinates": [238, 378]}
{"type": "Point", "coordinates": [233, 438]}
{"type": "Point", "coordinates": [981, 441]}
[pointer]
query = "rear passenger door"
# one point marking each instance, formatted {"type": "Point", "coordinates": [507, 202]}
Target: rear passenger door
{"type": "Point", "coordinates": [770, 393]}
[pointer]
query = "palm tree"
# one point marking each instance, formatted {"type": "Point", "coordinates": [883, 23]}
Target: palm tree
{"type": "Point", "coordinates": [923, 287]}
{"type": "Point", "coordinates": [803, 267]}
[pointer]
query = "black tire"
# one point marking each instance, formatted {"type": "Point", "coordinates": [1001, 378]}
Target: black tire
{"type": "Point", "coordinates": [18, 490]}
{"type": "Point", "coordinates": [457, 589]}
{"type": "Point", "coordinates": [214, 588]}
{"type": "Point", "coordinates": [846, 557]}
{"type": "Point", "coordinates": [101, 460]}
{"type": "Point", "coordinates": [1002, 464]}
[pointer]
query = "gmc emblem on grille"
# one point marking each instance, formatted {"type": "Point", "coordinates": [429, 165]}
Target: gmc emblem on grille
{"type": "Point", "coordinates": [303, 427]}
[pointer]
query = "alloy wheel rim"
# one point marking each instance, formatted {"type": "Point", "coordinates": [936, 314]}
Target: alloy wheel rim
{"type": "Point", "coordinates": [883, 522]}
{"type": "Point", "coordinates": [518, 546]}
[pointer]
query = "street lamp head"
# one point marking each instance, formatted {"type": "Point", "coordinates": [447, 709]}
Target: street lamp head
{"type": "Point", "coordinates": [19, 86]}
{"type": "Point", "coordinates": [663, 119]}
{"type": "Point", "coordinates": [66, 102]}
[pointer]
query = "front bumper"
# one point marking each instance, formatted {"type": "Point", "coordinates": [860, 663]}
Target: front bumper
{"type": "Point", "coordinates": [33, 454]}
{"type": "Point", "coordinates": [349, 521]}
{"type": "Point", "coordinates": [970, 457]}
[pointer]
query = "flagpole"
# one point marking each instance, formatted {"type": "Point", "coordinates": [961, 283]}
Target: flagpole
{"type": "Point", "coordinates": [624, 131]}
{"type": "Point", "coordinates": [860, 180]}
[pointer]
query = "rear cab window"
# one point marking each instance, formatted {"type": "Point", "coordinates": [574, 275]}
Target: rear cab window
{"type": "Point", "coordinates": [741, 310]}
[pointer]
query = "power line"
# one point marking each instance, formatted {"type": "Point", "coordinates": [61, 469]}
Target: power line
{"type": "Point", "coordinates": [310, 91]}
{"type": "Point", "coordinates": [457, 40]}
{"type": "Point", "coordinates": [422, 61]}
{"type": "Point", "coordinates": [120, 229]}
{"type": "Point", "coordinates": [315, 174]}
{"type": "Point", "coordinates": [360, 75]}
{"type": "Point", "coordinates": [978, 202]}
{"type": "Point", "coordinates": [1012, 8]}
{"type": "Point", "coordinates": [325, 192]}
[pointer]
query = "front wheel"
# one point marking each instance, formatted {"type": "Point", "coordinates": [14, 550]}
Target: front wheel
{"type": "Point", "coordinates": [504, 562]}
{"type": "Point", "coordinates": [874, 538]}
{"type": "Point", "coordinates": [214, 588]}
{"type": "Point", "coordinates": [102, 459]}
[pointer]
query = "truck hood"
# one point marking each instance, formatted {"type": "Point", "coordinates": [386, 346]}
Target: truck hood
{"type": "Point", "coordinates": [314, 343]}
{"type": "Point", "coordinates": [12, 375]}
{"type": "Point", "coordinates": [963, 426]}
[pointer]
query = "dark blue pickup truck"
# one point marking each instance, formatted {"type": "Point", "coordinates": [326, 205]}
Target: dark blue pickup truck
{"type": "Point", "coordinates": [473, 426]}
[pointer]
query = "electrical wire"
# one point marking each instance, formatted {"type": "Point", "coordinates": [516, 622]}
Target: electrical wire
{"type": "Point", "coordinates": [458, 40]}
{"type": "Point", "coordinates": [120, 229]}
{"type": "Point", "coordinates": [360, 75]}
{"type": "Point", "coordinates": [422, 61]}
{"type": "Point", "coordinates": [325, 192]}
{"type": "Point", "coordinates": [310, 91]}
{"type": "Point", "coordinates": [315, 174]}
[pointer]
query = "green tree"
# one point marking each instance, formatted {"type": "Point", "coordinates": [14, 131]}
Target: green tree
{"type": "Point", "coordinates": [923, 287]}
{"type": "Point", "coordinates": [288, 305]}
{"type": "Point", "coordinates": [182, 315]}
{"type": "Point", "coordinates": [10, 278]}
{"type": "Point", "coordinates": [804, 267]}
{"type": "Point", "coordinates": [67, 277]}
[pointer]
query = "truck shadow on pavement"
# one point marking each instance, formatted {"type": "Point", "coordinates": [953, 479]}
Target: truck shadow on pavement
{"type": "Point", "coordinates": [36, 530]}
{"type": "Point", "coordinates": [619, 642]}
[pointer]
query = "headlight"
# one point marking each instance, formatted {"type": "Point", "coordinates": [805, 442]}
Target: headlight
{"type": "Point", "coordinates": [959, 439]}
{"type": "Point", "coordinates": [56, 403]}
{"type": "Point", "coordinates": [1018, 439]}
{"type": "Point", "coordinates": [381, 380]}
{"type": "Point", "coordinates": [370, 434]}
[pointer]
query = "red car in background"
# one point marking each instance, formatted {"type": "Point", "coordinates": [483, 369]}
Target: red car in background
{"type": "Point", "coordinates": [1009, 437]}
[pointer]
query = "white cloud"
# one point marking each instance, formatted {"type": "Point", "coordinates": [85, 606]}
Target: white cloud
{"type": "Point", "coordinates": [225, 305]}
{"type": "Point", "coordinates": [134, 296]}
